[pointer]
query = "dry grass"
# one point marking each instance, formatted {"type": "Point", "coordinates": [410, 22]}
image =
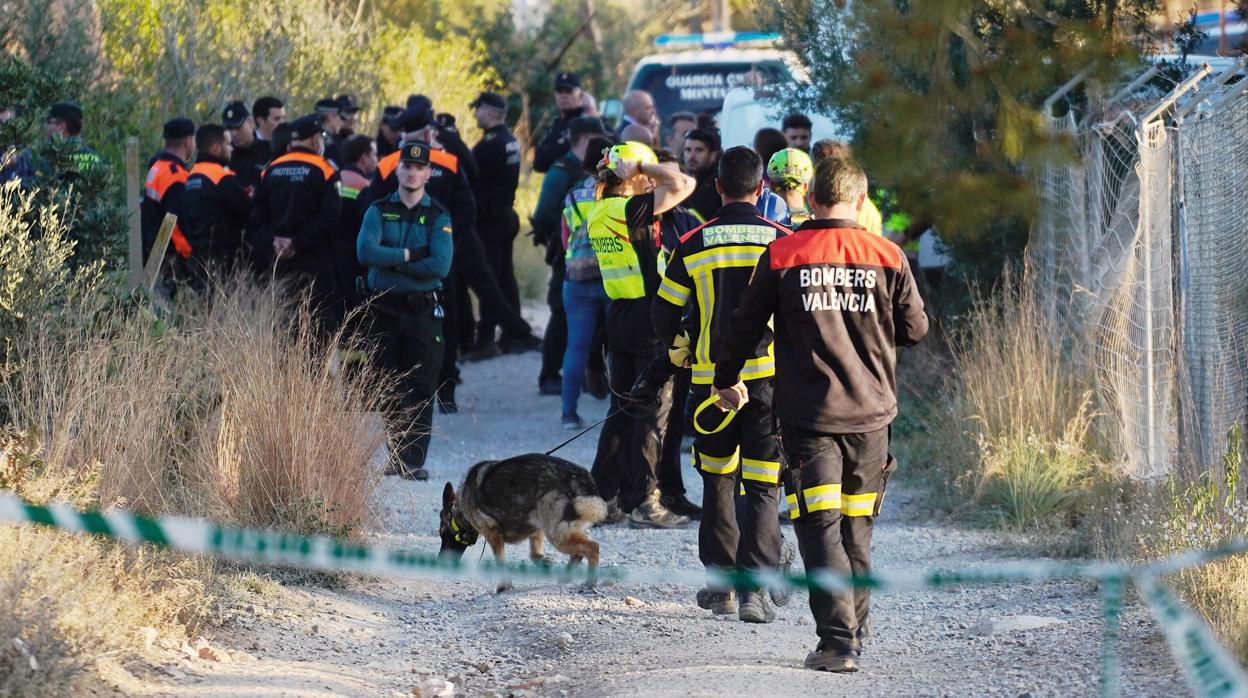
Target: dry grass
{"type": "Point", "coordinates": [233, 409]}
{"type": "Point", "coordinates": [1002, 415]}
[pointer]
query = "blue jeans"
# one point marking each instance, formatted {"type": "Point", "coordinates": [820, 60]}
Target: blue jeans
{"type": "Point", "coordinates": [585, 303]}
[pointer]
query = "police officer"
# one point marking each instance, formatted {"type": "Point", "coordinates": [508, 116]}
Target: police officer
{"type": "Point", "coordinates": [349, 111]}
{"type": "Point", "coordinates": [569, 100]}
{"type": "Point", "coordinates": [360, 162]}
{"type": "Point", "coordinates": [448, 137]}
{"type": "Point", "coordinates": [250, 154]}
{"type": "Point", "coordinates": [330, 119]}
{"type": "Point", "coordinates": [165, 184]}
{"type": "Point", "coordinates": [449, 186]}
{"type": "Point", "coordinates": [842, 299]}
{"type": "Point", "coordinates": [702, 286]}
{"type": "Point", "coordinates": [215, 206]}
{"type": "Point", "coordinates": [498, 158]}
{"type": "Point", "coordinates": [634, 190]}
{"type": "Point", "coordinates": [406, 243]}
{"type": "Point", "coordinates": [64, 122]}
{"type": "Point", "coordinates": [387, 139]}
{"type": "Point", "coordinates": [295, 216]}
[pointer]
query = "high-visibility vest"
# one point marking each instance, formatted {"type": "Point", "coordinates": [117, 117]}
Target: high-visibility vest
{"type": "Point", "coordinates": [617, 260]}
{"type": "Point", "coordinates": [213, 171]}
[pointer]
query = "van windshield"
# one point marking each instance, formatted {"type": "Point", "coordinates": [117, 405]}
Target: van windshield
{"type": "Point", "coordinates": [701, 87]}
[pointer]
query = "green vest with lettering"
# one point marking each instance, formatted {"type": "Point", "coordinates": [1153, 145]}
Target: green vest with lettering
{"type": "Point", "coordinates": [617, 259]}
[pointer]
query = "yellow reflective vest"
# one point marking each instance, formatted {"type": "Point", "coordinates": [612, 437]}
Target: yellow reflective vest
{"type": "Point", "coordinates": [617, 259]}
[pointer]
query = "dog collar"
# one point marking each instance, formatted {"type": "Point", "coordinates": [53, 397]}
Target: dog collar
{"type": "Point", "coordinates": [464, 534]}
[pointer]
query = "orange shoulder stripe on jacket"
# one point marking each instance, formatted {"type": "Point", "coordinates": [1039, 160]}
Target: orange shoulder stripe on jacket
{"type": "Point", "coordinates": [445, 159]}
{"type": "Point", "coordinates": [387, 165]}
{"type": "Point", "coordinates": [214, 172]}
{"type": "Point", "coordinates": [326, 168]}
{"type": "Point", "coordinates": [164, 174]}
{"type": "Point", "coordinates": [835, 246]}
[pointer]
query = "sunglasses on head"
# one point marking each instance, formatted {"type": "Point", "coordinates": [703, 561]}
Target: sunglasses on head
{"type": "Point", "coordinates": [565, 90]}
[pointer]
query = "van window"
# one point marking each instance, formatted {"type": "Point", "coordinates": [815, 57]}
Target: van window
{"type": "Point", "coordinates": [701, 87]}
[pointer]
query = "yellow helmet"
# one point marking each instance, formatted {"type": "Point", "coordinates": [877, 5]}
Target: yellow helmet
{"type": "Point", "coordinates": [630, 151]}
{"type": "Point", "coordinates": [790, 166]}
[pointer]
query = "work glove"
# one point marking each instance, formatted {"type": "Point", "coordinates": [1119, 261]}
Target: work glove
{"type": "Point", "coordinates": [681, 351]}
{"type": "Point", "coordinates": [649, 386]}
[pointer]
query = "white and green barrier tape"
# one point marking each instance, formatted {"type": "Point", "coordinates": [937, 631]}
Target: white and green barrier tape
{"type": "Point", "coordinates": [1210, 669]}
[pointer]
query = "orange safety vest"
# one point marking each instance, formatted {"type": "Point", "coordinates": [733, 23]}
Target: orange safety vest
{"type": "Point", "coordinates": [320, 162]}
{"type": "Point", "coordinates": [213, 171]}
{"type": "Point", "coordinates": [163, 175]}
{"type": "Point", "coordinates": [390, 163]}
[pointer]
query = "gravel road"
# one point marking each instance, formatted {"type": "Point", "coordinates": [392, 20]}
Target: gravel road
{"type": "Point", "coordinates": [386, 637]}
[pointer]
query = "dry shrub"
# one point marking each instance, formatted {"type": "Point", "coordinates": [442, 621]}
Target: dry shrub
{"type": "Point", "coordinates": [291, 441]}
{"type": "Point", "coordinates": [1005, 417]}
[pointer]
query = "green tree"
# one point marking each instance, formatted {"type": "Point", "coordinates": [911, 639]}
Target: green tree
{"type": "Point", "coordinates": [944, 97]}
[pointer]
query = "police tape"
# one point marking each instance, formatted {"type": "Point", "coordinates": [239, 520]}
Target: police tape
{"type": "Point", "coordinates": [1210, 669]}
{"type": "Point", "coordinates": [1208, 666]}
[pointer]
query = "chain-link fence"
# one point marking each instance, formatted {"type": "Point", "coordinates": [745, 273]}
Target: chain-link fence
{"type": "Point", "coordinates": [1141, 247]}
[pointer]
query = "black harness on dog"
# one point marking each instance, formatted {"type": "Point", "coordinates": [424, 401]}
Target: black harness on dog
{"type": "Point", "coordinates": [465, 534]}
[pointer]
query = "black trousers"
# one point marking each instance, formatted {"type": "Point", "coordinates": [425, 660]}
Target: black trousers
{"type": "Point", "coordinates": [671, 479]}
{"type": "Point", "coordinates": [631, 441]}
{"type": "Point", "coordinates": [739, 531]}
{"type": "Point", "coordinates": [555, 342]}
{"type": "Point", "coordinates": [834, 487]}
{"type": "Point", "coordinates": [407, 341]}
{"type": "Point", "coordinates": [498, 238]}
{"type": "Point", "coordinates": [471, 269]}
{"type": "Point", "coordinates": [315, 277]}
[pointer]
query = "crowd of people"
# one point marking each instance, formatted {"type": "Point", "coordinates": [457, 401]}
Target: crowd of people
{"type": "Point", "coordinates": [728, 295]}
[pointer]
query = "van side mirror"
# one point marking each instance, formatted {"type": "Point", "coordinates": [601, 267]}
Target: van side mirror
{"type": "Point", "coordinates": [611, 110]}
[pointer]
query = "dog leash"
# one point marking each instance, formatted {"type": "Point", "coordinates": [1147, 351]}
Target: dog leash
{"type": "Point", "coordinates": [590, 428]}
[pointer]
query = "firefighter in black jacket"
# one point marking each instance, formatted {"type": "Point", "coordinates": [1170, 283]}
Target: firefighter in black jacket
{"type": "Point", "coordinates": [165, 185]}
{"type": "Point", "coordinates": [215, 206]}
{"type": "Point", "coordinates": [449, 187]}
{"type": "Point", "coordinates": [498, 157]}
{"type": "Point", "coordinates": [569, 100]}
{"type": "Point", "coordinates": [295, 216]}
{"type": "Point", "coordinates": [249, 154]}
{"type": "Point", "coordinates": [843, 301]}
{"type": "Point", "coordinates": [702, 286]}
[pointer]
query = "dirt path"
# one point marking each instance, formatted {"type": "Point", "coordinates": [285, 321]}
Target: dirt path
{"type": "Point", "coordinates": [383, 637]}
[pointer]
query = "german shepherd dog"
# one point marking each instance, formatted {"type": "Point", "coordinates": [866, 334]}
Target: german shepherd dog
{"type": "Point", "coordinates": [530, 496]}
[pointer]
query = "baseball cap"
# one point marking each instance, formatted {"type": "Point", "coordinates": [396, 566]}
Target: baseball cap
{"type": "Point", "coordinates": [586, 124]}
{"type": "Point", "coordinates": [413, 119]}
{"type": "Point", "coordinates": [65, 111]}
{"type": "Point", "coordinates": [489, 99]}
{"type": "Point", "coordinates": [181, 127]}
{"type": "Point", "coordinates": [390, 113]}
{"type": "Point", "coordinates": [234, 114]}
{"type": "Point", "coordinates": [414, 151]}
{"type": "Point", "coordinates": [325, 106]}
{"type": "Point", "coordinates": [567, 80]}
{"type": "Point", "coordinates": [419, 102]}
{"type": "Point", "coordinates": [304, 127]}
{"type": "Point", "coordinates": [347, 103]}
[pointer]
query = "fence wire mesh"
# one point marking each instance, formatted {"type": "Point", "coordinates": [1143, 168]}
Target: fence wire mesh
{"type": "Point", "coordinates": [1139, 248]}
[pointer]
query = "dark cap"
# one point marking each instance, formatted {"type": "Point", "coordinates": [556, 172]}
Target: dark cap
{"type": "Point", "coordinates": [567, 80]}
{"type": "Point", "coordinates": [419, 102]}
{"type": "Point", "coordinates": [329, 105]}
{"type": "Point", "coordinates": [304, 127]}
{"type": "Point", "coordinates": [180, 127]}
{"type": "Point", "coordinates": [234, 114]}
{"type": "Point", "coordinates": [586, 125]}
{"type": "Point", "coordinates": [390, 113]}
{"type": "Point", "coordinates": [413, 119]}
{"type": "Point", "coordinates": [414, 151]}
{"type": "Point", "coordinates": [65, 111]}
{"type": "Point", "coordinates": [489, 99]}
{"type": "Point", "coordinates": [347, 103]}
